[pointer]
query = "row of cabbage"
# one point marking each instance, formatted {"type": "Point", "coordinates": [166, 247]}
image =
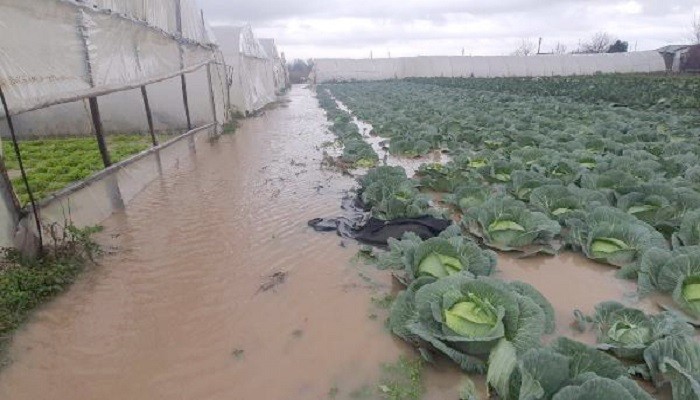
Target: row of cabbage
{"type": "Point", "coordinates": [452, 305]}
{"type": "Point", "coordinates": [522, 181]}
{"type": "Point", "coordinates": [652, 91]}
{"type": "Point", "coordinates": [612, 183]}
{"type": "Point", "coordinates": [356, 152]}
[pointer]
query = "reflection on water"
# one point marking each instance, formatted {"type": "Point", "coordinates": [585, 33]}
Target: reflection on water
{"type": "Point", "coordinates": [182, 311]}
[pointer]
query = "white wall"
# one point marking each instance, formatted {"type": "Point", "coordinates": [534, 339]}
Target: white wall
{"type": "Point", "coordinates": [327, 70]}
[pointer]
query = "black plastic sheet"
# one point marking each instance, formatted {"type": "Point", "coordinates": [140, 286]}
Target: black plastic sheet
{"type": "Point", "coordinates": [356, 223]}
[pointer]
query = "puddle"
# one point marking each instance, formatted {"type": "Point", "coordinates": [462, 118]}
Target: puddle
{"type": "Point", "coordinates": [179, 311]}
{"type": "Point", "coordinates": [572, 282]}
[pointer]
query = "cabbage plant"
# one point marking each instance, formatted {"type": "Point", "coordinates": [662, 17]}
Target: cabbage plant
{"type": "Point", "coordinates": [468, 196]}
{"type": "Point", "coordinates": [676, 360]}
{"type": "Point", "coordinates": [614, 237]}
{"type": "Point", "coordinates": [660, 205]}
{"type": "Point", "coordinates": [689, 232]}
{"type": "Point", "coordinates": [445, 178]}
{"type": "Point", "coordinates": [565, 202]}
{"type": "Point", "coordinates": [500, 171]}
{"type": "Point", "coordinates": [676, 272]}
{"type": "Point", "coordinates": [590, 387]}
{"type": "Point", "coordinates": [567, 369]}
{"type": "Point", "coordinates": [359, 153]}
{"type": "Point", "coordinates": [524, 182]}
{"type": "Point", "coordinates": [466, 318]}
{"type": "Point", "coordinates": [627, 332]}
{"type": "Point", "coordinates": [389, 194]}
{"type": "Point", "coordinates": [564, 170]}
{"type": "Point", "coordinates": [507, 224]}
{"type": "Point", "coordinates": [612, 182]}
{"type": "Point", "coordinates": [448, 254]}
{"type": "Point", "coordinates": [651, 203]}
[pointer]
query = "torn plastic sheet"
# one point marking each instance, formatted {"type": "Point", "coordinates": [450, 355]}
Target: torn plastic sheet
{"type": "Point", "coordinates": [356, 223]}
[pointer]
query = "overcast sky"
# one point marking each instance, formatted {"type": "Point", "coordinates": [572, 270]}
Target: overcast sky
{"type": "Point", "coordinates": [353, 28]}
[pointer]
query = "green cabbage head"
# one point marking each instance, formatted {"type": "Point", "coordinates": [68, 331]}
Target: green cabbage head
{"type": "Point", "coordinates": [466, 318]}
{"type": "Point", "coordinates": [507, 224]}
{"type": "Point", "coordinates": [617, 238]}
{"type": "Point", "coordinates": [627, 332]}
{"type": "Point", "coordinates": [448, 254]}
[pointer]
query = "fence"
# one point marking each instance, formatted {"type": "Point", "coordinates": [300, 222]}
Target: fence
{"type": "Point", "coordinates": [99, 66]}
{"type": "Point", "coordinates": [330, 70]}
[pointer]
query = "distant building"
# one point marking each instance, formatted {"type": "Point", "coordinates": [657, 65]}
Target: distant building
{"type": "Point", "coordinates": [681, 58]}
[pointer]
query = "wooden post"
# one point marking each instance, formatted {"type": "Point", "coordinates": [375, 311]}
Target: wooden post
{"type": "Point", "coordinates": [149, 116]}
{"type": "Point", "coordinates": [184, 100]}
{"type": "Point", "coordinates": [99, 131]}
{"type": "Point", "coordinates": [18, 154]}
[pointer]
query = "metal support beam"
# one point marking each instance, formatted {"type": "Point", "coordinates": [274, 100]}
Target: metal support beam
{"type": "Point", "coordinates": [99, 131]}
{"type": "Point", "coordinates": [212, 100]}
{"type": "Point", "coordinates": [18, 154]}
{"type": "Point", "coordinates": [149, 116]}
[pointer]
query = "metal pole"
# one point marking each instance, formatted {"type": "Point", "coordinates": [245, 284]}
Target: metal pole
{"type": "Point", "coordinates": [149, 116]}
{"type": "Point", "coordinates": [99, 131]}
{"type": "Point", "coordinates": [211, 87]}
{"type": "Point", "coordinates": [18, 154]}
{"type": "Point", "coordinates": [183, 81]}
{"type": "Point", "coordinates": [212, 100]}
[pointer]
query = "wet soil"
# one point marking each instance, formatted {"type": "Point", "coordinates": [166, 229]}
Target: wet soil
{"type": "Point", "coordinates": [219, 290]}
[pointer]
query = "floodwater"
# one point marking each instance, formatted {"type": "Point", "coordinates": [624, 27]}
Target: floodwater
{"type": "Point", "coordinates": [218, 289]}
{"type": "Point", "coordinates": [380, 146]}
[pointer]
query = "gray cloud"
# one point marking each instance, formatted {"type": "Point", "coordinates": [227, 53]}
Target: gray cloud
{"type": "Point", "coordinates": [315, 28]}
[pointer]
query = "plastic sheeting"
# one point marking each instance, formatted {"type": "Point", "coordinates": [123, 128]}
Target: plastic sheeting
{"type": "Point", "coordinates": [279, 65]}
{"type": "Point", "coordinates": [25, 78]}
{"type": "Point", "coordinates": [252, 70]}
{"type": "Point", "coordinates": [329, 70]}
{"type": "Point", "coordinates": [96, 46]}
{"type": "Point", "coordinates": [91, 50]}
{"type": "Point", "coordinates": [55, 53]}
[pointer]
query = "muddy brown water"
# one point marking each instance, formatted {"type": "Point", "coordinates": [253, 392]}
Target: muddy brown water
{"type": "Point", "coordinates": [179, 311]}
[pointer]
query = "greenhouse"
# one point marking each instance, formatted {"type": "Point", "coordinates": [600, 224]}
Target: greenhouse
{"type": "Point", "coordinates": [179, 220]}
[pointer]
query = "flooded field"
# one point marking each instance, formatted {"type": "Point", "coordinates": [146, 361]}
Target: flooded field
{"type": "Point", "coordinates": [217, 289]}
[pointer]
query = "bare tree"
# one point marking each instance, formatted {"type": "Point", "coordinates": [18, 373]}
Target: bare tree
{"type": "Point", "coordinates": [695, 30]}
{"type": "Point", "coordinates": [527, 47]}
{"type": "Point", "coordinates": [559, 48]}
{"type": "Point", "coordinates": [599, 43]}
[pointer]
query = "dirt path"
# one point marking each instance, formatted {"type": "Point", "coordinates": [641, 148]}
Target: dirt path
{"type": "Point", "coordinates": [220, 291]}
